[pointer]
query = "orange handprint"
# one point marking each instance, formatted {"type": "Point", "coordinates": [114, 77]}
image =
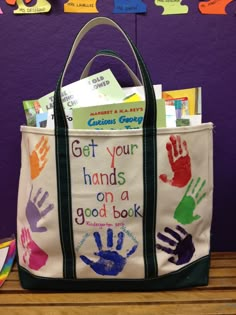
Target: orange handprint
{"type": "Point", "coordinates": [38, 158]}
{"type": "Point", "coordinates": [179, 161]}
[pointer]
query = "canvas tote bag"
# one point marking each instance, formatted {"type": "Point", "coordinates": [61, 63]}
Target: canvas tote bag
{"type": "Point", "coordinates": [114, 209]}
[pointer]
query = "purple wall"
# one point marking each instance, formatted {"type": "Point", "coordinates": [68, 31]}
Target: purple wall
{"type": "Point", "coordinates": [181, 51]}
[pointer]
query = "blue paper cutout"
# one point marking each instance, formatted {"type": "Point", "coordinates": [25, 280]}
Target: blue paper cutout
{"type": "Point", "coordinates": [129, 6]}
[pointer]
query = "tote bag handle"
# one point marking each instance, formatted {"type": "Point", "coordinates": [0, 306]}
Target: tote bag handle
{"type": "Point", "coordinates": [62, 156]}
{"type": "Point", "coordinates": [149, 121]}
{"type": "Point", "coordinates": [110, 53]}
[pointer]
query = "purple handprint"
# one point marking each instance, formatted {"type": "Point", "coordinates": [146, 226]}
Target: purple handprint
{"type": "Point", "coordinates": [33, 256]}
{"type": "Point", "coordinates": [183, 247]}
{"type": "Point", "coordinates": [33, 213]}
{"type": "Point", "coordinates": [110, 262]}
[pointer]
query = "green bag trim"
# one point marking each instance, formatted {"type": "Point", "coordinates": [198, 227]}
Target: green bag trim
{"type": "Point", "coordinates": [149, 180]}
{"type": "Point", "coordinates": [64, 203]}
{"type": "Point", "coordinates": [194, 274]}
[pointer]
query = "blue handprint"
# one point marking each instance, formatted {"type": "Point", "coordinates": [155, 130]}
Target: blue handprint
{"type": "Point", "coordinates": [110, 262]}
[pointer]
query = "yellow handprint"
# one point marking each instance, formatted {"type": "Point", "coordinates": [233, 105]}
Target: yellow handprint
{"type": "Point", "coordinates": [38, 158]}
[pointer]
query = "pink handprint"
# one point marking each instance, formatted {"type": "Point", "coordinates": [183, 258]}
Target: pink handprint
{"type": "Point", "coordinates": [180, 162]}
{"type": "Point", "coordinates": [38, 157]}
{"type": "Point", "coordinates": [33, 256]}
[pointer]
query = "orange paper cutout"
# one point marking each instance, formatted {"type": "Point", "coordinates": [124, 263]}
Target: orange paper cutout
{"type": "Point", "coordinates": [13, 2]}
{"type": "Point", "coordinates": [38, 158]}
{"type": "Point", "coordinates": [81, 6]}
{"type": "Point", "coordinates": [213, 6]}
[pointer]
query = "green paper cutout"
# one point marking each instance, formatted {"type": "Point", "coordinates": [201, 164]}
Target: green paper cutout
{"type": "Point", "coordinates": [192, 197]}
{"type": "Point", "coordinates": [41, 6]}
{"type": "Point", "coordinates": [172, 7]}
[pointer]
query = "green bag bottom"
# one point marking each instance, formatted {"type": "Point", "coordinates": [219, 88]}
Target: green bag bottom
{"type": "Point", "coordinates": [194, 274]}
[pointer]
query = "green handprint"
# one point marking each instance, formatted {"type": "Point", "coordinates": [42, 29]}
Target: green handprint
{"type": "Point", "coordinates": [184, 211]}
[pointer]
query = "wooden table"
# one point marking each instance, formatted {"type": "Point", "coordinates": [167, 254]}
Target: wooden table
{"type": "Point", "coordinates": [217, 298]}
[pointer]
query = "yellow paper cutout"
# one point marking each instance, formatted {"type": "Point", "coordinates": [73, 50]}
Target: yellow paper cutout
{"type": "Point", "coordinates": [81, 6]}
{"type": "Point", "coordinates": [172, 7]}
{"type": "Point", "coordinates": [41, 6]}
{"type": "Point", "coordinates": [213, 6]}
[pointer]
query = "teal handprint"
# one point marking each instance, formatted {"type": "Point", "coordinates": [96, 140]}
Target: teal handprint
{"type": "Point", "coordinates": [184, 213]}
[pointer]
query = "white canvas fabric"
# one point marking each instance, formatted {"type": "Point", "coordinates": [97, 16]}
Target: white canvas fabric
{"type": "Point", "coordinates": [107, 201]}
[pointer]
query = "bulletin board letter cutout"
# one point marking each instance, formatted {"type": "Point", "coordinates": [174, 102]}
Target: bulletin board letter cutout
{"type": "Point", "coordinates": [41, 6]}
{"type": "Point", "coordinates": [129, 6]}
{"type": "Point", "coordinates": [1, 11]}
{"type": "Point", "coordinates": [172, 7]}
{"type": "Point", "coordinates": [81, 6]}
{"type": "Point", "coordinates": [213, 6]}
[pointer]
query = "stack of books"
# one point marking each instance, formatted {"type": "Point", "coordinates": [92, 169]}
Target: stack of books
{"type": "Point", "coordinates": [99, 102]}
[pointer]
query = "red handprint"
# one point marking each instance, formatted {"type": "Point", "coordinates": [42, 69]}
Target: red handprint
{"type": "Point", "coordinates": [179, 161]}
{"type": "Point", "coordinates": [33, 256]}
